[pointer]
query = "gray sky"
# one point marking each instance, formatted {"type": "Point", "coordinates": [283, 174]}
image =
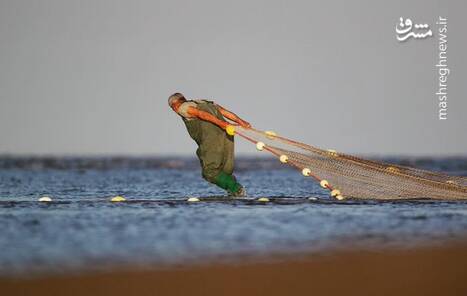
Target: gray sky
{"type": "Point", "coordinates": [93, 77]}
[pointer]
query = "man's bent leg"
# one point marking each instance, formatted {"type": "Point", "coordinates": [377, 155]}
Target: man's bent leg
{"type": "Point", "coordinates": [229, 155]}
{"type": "Point", "coordinates": [216, 158]}
{"type": "Point", "coordinates": [211, 150]}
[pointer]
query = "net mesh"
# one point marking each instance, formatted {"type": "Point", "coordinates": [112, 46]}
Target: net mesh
{"type": "Point", "coordinates": [347, 176]}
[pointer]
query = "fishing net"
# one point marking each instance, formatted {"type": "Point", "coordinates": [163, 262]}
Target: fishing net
{"type": "Point", "coordinates": [347, 176]}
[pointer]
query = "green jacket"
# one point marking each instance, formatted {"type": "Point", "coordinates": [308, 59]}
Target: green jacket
{"type": "Point", "coordinates": [215, 148]}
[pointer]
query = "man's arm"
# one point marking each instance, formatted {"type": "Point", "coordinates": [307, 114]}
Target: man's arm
{"type": "Point", "coordinates": [232, 116]}
{"type": "Point", "coordinates": [192, 111]}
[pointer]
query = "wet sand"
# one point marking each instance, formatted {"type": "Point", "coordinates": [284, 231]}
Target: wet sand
{"type": "Point", "coordinates": [423, 271]}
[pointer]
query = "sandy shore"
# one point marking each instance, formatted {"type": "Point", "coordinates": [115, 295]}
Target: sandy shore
{"type": "Point", "coordinates": [424, 271]}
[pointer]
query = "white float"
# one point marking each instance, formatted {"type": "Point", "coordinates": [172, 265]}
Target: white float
{"type": "Point", "coordinates": [270, 134]}
{"type": "Point", "coordinates": [117, 198]}
{"type": "Point", "coordinates": [335, 193]}
{"type": "Point", "coordinates": [306, 172]}
{"type": "Point", "coordinates": [260, 146]}
{"type": "Point", "coordinates": [339, 197]}
{"type": "Point", "coordinates": [45, 199]}
{"type": "Point", "coordinates": [332, 152]}
{"type": "Point", "coordinates": [324, 183]}
{"type": "Point", "coordinates": [284, 158]}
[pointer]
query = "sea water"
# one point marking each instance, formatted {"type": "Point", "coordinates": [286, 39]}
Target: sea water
{"type": "Point", "coordinates": [81, 229]}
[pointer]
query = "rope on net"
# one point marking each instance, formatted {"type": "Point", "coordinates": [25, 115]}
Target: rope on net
{"type": "Point", "coordinates": [347, 176]}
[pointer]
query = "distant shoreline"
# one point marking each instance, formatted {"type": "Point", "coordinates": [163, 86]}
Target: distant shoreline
{"type": "Point", "coordinates": [439, 270]}
{"type": "Point", "coordinates": [243, 162]}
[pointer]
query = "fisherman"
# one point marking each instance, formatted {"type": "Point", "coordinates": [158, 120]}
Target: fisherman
{"type": "Point", "coordinates": [206, 125]}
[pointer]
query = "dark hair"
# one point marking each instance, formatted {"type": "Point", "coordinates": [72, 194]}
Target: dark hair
{"type": "Point", "coordinates": [175, 97]}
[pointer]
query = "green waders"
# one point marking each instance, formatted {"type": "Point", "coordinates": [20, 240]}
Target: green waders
{"type": "Point", "coordinates": [215, 149]}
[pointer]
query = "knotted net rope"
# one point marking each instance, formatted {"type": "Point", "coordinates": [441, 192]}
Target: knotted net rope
{"type": "Point", "coordinates": [347, 176]}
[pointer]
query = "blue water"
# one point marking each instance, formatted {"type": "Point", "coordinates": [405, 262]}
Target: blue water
{"type": "Point", "coordinates": [83, 230]}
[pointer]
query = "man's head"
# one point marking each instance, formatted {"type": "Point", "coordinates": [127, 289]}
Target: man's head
{"type": "Point", "coordinates": [176, 100]}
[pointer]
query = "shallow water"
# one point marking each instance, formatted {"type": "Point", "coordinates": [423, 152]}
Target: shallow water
{"type": "Point", "coordinates": [83, 230]}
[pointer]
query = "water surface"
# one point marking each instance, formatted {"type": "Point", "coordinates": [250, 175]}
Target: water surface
{"type": "Point", "coordinates": [82, 229]}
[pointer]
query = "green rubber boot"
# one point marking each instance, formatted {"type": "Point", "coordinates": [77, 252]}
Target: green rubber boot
{"type": "Point", "coordinates": [228, 182]}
